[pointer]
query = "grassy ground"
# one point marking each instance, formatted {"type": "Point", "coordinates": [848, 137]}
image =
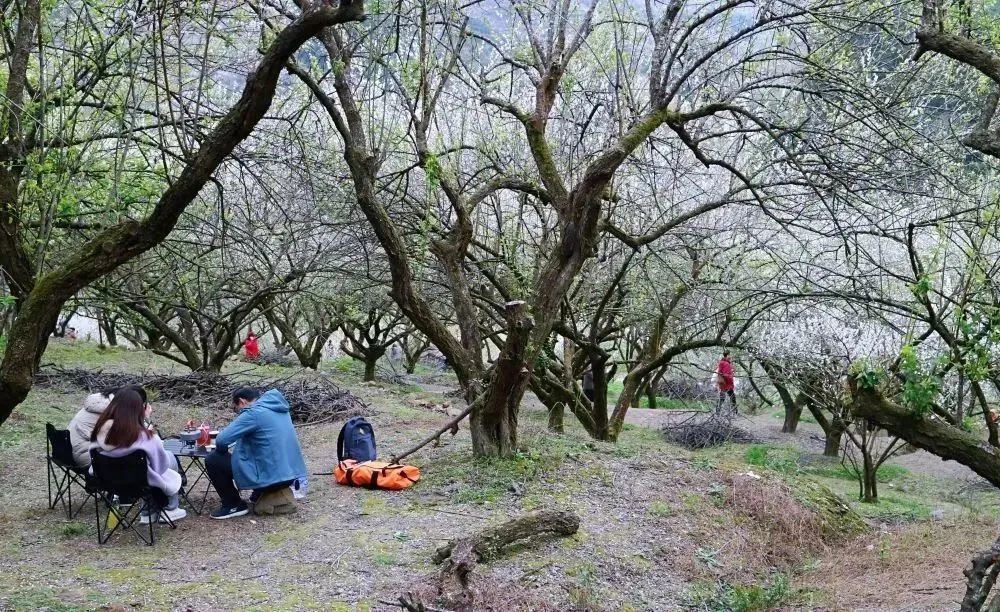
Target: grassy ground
{"type": "Point", "coordinates": [667, 519]}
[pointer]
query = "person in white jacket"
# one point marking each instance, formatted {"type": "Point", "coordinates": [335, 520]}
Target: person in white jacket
{"type": "Point", "coordinates": [82, 425]}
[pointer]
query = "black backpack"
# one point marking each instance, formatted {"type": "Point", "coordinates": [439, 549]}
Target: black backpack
{"type": "Point", "coordinates": [356, 441]}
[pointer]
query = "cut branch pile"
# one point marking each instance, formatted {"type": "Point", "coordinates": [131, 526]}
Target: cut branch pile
{"type": "Point", "coordinates": [702, 430]}
{"type": "Point", "coordinates": [279, 357]}
{"type": "Point", "coordinates": [313, 399]}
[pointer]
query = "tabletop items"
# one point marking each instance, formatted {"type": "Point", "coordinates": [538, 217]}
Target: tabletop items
{"type": "Point", "coordinates": [198, 435]}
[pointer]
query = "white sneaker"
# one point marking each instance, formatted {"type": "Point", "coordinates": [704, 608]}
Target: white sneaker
{"type": "Point", "coordinates": [174, 515]}
{"type": "Point", "coordinates": [144, 519]}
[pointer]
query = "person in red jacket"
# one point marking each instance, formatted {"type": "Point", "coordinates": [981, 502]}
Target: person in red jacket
{"type": "Point", "coordinates": [251, 347]}
{"type": "Point", "coordinates": [726, 382]}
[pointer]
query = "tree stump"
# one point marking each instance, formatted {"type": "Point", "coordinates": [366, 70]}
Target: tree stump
{"type": "Point", "coordinates": [459, 557]}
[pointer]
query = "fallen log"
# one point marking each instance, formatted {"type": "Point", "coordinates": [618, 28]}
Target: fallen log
{"type": "Point", "coordinates": [459, 557]}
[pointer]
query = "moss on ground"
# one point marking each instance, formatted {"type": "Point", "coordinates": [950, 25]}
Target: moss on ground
{"type": "Point", "coordinates": [838, 519]}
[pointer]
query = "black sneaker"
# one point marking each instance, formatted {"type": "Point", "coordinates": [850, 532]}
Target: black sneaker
{"type": "Point", "coordinates": [233, 512]}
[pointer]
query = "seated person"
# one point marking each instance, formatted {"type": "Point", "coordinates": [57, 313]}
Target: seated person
{"type": "Point", "coordinates": [122, 430]}
{"type": "Point", "coordinates": [82, 425]}
{"type": "Point", "coordinates": [267, 455]}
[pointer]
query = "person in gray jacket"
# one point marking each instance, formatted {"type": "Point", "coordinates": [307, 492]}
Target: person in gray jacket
{"type": "Point", "coordinates": [82, 425]}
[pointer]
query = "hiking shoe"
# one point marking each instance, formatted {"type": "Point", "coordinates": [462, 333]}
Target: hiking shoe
{"type": "Point", "coordinates": [173, 515]}
{"type": "Point", "coordinates": [233, 512]}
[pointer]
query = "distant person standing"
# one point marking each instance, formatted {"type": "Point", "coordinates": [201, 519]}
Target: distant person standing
{"type": "Point", "coordinates": [725, 380]}
{"type": "Point", "coordinates": [251, 347]}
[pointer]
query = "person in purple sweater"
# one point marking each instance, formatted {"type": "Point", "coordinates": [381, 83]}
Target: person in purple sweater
{"type": "Point", "coordinates": [121, 430]}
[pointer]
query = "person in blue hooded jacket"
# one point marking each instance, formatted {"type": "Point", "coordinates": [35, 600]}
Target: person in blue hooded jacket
{"type": "Point", "coordinates": [266, 456]}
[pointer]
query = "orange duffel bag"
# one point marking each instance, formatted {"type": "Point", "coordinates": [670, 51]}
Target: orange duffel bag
{"type": "Point", "coordinates": [376, 475]}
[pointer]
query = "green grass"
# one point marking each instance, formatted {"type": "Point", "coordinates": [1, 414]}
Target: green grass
{"type": "Point", "coordinates": [779, 459]}
{"type": "Point", "coordinates": [497, 477]}
{"type": "Point", "coordinates": [661, 509]}
{"type": "Point", "coordinates": [72, 530]}
{"type": "Point", "coordinates": [27, 425]}
{"type": "Point", "coordinates": [886, 473]}
{"type": "Point", "coordinates": [41, 599]}
{"type": "Point", "coordinates": [726, 597]}
{"type": "Point", "coordinates": [484, 481]}
{"type": "Point", "coordinates": [83, 354]}
{"type": "Point", "coordinates": [894, 507]}
{"type": "Point", "coordinates": [422, 369]}
{"type": "Point", "coordinates": [346, 365]}
{"type": "Point", "coordinates": [787, 460]}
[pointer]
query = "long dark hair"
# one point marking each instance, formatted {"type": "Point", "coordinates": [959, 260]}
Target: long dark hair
{"type": "Point", "coordinates": [126, 412]}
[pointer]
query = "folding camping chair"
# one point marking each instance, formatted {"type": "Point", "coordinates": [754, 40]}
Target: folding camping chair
{"type": "Point", "coordinates": [123, 486]}
{"type": "Point", "coordinates": [63, 472]}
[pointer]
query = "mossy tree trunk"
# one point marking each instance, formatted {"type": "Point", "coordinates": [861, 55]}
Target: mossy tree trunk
{"type": "Point", "coordinates": [930, 434]}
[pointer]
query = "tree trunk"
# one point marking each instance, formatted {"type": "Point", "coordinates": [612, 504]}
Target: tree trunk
{"type": "Point", "coordinates": [370, 368]}
{"type": "Point", "coordinates": [834, 440]}
{"type": "Point", "coordinates": [60, 331]}
{"type": "Point", "coordinates": [869, 494]}
{"type": "Point", "coordinates": [556, 414]}
{"type": "Point", "coordinates": [557, 410]}
{"type": "Point", "coordinates": [793, 409]}
{"type": "Point", "coordinates": [494, 426]}
{"type": "Point", "coordinates": [833, 426]}
{"type": "Point", "coordinates": [651, 395]}
{"type": "Point", "coordinates": [625, 399]}
{"type": "Point", "coordinates": [960, 402]}
{"type": "Point", "coordinates": [551, 391]}
{"type": "Point", "coordinates": [793, 413]}
{"type": "Point", "coordinates": [110, 328]}
{"type": "Point", "coordinates": [599, 405]}
{"type": "Point", "coordinates": [314, 356]}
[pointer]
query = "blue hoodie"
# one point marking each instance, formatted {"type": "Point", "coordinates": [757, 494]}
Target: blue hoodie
{"type": "Point", "coordinates": [268, 451]}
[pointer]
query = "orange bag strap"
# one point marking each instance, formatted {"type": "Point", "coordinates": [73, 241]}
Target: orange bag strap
{"type": "Point", "coordinates": [371, 484]}
{"type": "Point", "coordinates": [400, 467]}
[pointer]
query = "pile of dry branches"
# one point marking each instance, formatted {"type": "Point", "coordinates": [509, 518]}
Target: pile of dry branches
{"type": "Point", "coordinates": [279, 357]}
{"type": "Point", "coordinates": [701, 430]}
{"type": "Point", "coordinates": [313, 399]}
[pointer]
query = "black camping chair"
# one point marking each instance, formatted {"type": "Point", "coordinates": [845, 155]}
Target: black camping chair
{"type": "Point", "coordinates": [123, 486]}
{"type": "Point", "coordinates": [63, 472]}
